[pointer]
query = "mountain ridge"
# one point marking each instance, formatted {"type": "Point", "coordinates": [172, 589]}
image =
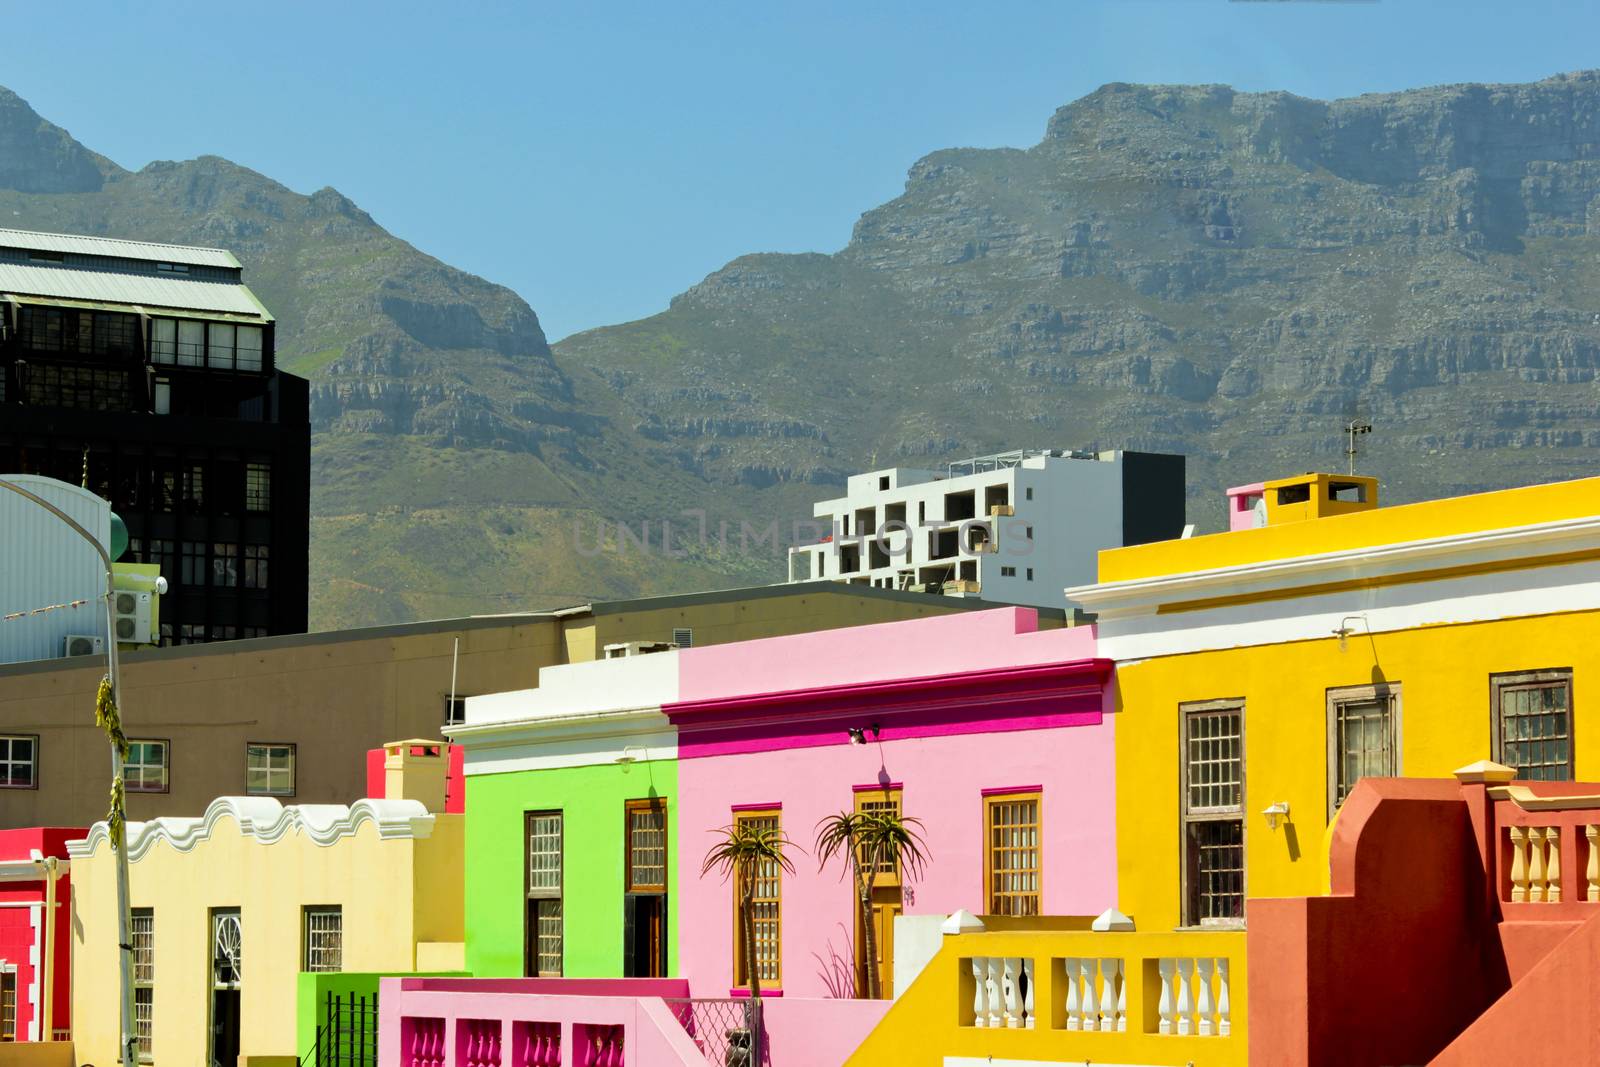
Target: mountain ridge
{"type": "Point", "coordinates": [1182, 268]}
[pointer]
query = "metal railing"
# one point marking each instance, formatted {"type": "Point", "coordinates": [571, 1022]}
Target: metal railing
{"type": "Point", "coordinates": [727, 1030]}
{"type": "Point", "coordinates": [348, 1036]}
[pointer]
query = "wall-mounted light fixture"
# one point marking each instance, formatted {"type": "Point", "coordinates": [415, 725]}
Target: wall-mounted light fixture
{"type": "Point", "coordinates": [1344, 629]}
{"type": "Point", "coordinates": [858, 734]}
{"type": "Point", "coordinates": [1276, 811]}
{"type": "Point", "coordinates": [628, 759]}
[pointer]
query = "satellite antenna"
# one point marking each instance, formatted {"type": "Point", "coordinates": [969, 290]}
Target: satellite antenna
{"type": "Point", "coordinates": [1355, 429]}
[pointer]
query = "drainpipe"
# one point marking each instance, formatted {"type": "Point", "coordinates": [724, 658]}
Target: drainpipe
{"type": "Point", "coordinates": [50, 865]}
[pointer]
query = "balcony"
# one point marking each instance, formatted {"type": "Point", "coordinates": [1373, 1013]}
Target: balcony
{"type": "Point", "coordinates": [626, 1022]}
{"type": "Point", "coordinates": [1035, 992]}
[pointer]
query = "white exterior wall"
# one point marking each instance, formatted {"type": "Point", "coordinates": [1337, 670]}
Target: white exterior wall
{"type": "Point", "coordinates": [46, 563]}
{"type": "Point", "coordinates": [1075, 512]}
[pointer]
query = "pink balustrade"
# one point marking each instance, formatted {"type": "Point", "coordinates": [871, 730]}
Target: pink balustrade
{"type": "Point", "coordinates": [422, 1042]}
{"type": "Point", "coordinates": [536, 1044]}
{"type": "Point", "coordinates": [599, 1046]}
{"type": "Point", "coordinates": [478, 1042]}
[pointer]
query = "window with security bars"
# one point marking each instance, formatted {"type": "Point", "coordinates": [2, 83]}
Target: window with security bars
{"type": "Point", "coordinates": [269, 770]}
{"type": "Point", "coordinates": [1533, 724]}
{"type": "Point", "coordinates": [145, 769]}
{"type": "Point", "coordinates": [1213, 813]}
{"type": "Point", "coordinates": [144, 977]}
{"type": "Point", "coordinates": [8, 1005]}
{"type": "Point", "coordinates": [881, 802]}
{"type": "Point", "coordinates": [1363, 738]}
{"type": "Point", "coordinates": [324, 939]}
{"type": "Point", "coordinates": [647, 846]}
{"type": "Point", "coordinates": [1011, 857]}
{"type": "Point", "coordinates": [766, 912]}
{"type": "Point", "coordinates": [19, 762]}
{"type": "Point", "coordinates": [543, 949]}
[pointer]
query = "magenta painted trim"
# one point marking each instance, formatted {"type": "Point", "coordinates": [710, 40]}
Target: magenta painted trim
{"type": "Point", "coordinates": [777, 806]}
{"type": "Point", "coordinates": [1012, 789]}
{"type": "Point", "coordinates": [1089, 671]}
{"type": "Point", "coordinates": [765, 993]}
{"type": "Point", "coordinates": [876, 787]}
{"type": "Point", "coordinates": [999, 701]}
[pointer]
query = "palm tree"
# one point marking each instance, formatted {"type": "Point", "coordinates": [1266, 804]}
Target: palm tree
{"type": "Point", "coordinates": [741, 851]}
{"type": "Point", "coordinates": [875, 841]}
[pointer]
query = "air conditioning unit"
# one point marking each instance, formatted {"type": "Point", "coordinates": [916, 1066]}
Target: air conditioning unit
{"type": "Point", "coordinates": [132, 611]}
{"type": "Point", "coordinates": [84, 645]}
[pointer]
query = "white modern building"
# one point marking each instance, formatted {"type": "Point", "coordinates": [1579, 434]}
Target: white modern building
{"type": "Point", "coordinates": [1013, 527]}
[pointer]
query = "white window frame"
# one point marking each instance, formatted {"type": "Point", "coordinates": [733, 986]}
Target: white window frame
{"type": "Point", "coordinates": [9, 761]}
{"type": "Point", "coordinates": [164, 764]}
{"type": "Point", "coordinates": [286, 768]}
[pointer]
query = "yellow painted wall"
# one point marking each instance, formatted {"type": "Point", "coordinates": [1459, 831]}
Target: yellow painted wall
{"type": "Point", "coordinates": [1381, 526]}
{"type": "Point", "coordinates": [1443, 675]}
{"type": "Point", "coordinates": [393, 893]}
{"type": "Point", "coordinates": [929, 1021]}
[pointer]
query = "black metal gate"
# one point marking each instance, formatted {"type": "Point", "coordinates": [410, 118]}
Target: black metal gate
{"type": "Point", "coordinates": [348, 1036]}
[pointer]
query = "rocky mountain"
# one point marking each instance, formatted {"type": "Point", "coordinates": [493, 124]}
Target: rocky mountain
{"type": "Point", "coordinates": [1185, 268]}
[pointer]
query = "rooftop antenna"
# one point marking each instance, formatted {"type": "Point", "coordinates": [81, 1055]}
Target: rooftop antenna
{"type": "Point", "coordinates": [1354, 430]}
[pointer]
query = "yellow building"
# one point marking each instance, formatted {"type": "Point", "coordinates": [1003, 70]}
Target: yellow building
{"type": "Point", "coordinates": [230, 907]}
{"type": "Point", "coordinates": [1261, 672]}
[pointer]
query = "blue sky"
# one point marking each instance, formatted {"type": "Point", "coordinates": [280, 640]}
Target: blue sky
{"type": "Point", "coordinates": [599, 158]}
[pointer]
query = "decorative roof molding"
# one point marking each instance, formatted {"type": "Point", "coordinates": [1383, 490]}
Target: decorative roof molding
{"type": "Point", "coordinates": [1527, 546]}
{"type": "Point", "coordinates": [268, 821]}
{"type": "Point", "coordinates": [579, 726]}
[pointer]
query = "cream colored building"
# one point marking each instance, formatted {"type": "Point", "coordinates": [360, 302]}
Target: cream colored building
{"type": "Point", "coordinates": [231, 906]}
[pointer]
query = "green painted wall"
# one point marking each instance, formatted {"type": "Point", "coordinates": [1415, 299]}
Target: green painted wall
{"type": "Point", "coordinates": [312, 989]}
{"type": "Point", "coordinates": [592, 801]}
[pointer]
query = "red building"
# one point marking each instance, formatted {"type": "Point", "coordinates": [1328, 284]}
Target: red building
{"type": "Point", "coordinates": [28, 887]}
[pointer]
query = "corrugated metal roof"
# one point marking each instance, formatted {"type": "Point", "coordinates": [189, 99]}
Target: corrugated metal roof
{"type": "Point", "coordinates": [111, 246]}
{"type": "Point", "coordinates": [104, 286]}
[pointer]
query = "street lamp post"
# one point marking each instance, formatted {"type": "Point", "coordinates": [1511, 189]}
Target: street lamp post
{"type": "Point", "coordinates": [119, 835]}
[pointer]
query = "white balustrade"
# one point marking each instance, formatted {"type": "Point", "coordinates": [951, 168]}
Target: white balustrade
{"type": "Point", "coordinates": [1002, 992]}
{"type": "Point", "coordinates": [1536, 865]}
{"type": "Point", "coordinates": [1195, 998]}
{"type": "Point", "coordinates": [1096, 996]}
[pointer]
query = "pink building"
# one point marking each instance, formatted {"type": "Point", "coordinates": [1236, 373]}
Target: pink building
{"type": "Point", "coordinates": [27, 887]}
{"type": "Point", "coordinates": [991, 732]}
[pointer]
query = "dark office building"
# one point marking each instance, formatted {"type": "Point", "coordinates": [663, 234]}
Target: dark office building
{"type": "Point", "coordinates": [148, 370]}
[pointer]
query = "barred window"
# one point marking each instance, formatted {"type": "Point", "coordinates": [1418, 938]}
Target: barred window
{"type": "Point", "coordinates": [1011, 856]}
{"type": "Point", "coordinates": [766, 911]}
{"type": "Point", "coordinates": [19, 761]}
{"type": "Point", "coordinates": [1213, 813]}
{"type": "Point", "coordinates": [324, 938]}
{"type": "Point", "coordinates": [1363, 736]}
{"type": "Point", "coordinates": [8, 1005]}
{"type": "Point", "coordinates": [194, 486]}
{"type": "Point", "coordinates": [269, 770]}
{"type": "Point", "coordinates": [1533, 723]}
{"type": "Point", "coordinates": [543, 947]}
{"type": "Point", "coordinates": [191, 343]}
{"type": "Point", "coordinates": [647, 846]}
{"type": "Point", "coordinates": [190, 633]}
{"type": "Point", "coordinates": [881, 802]}
{"type": "Point", "coordinates": [145, 769]}
{"type": "Point", "coordinates": [249, 347]}
{"type": "Point", "coordinates": [82, 388]}
{"type": "Point", "coordinates": [144, 978]}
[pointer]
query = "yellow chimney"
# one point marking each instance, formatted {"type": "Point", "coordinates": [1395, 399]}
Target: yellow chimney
{"type": "Point", "coordinates": [1317, 496]}
{"type": "Point", "coordinates": [416, 770]}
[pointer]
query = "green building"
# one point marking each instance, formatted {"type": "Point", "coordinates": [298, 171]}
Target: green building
{"type": "Point", "coordinates": [573, 784]}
